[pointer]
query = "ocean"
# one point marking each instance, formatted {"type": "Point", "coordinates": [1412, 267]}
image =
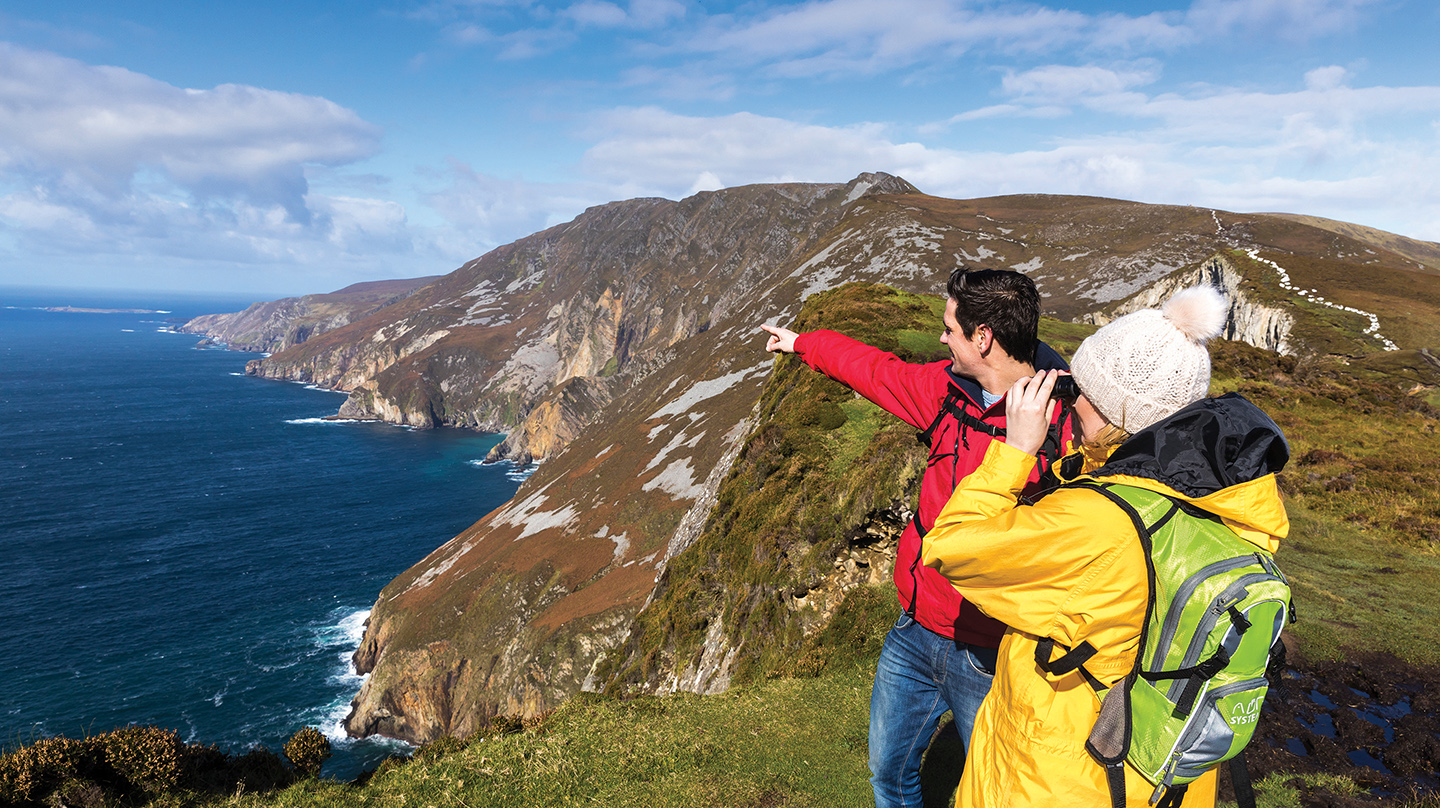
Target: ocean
{"type": "Point", "coordinates": [188, 547]}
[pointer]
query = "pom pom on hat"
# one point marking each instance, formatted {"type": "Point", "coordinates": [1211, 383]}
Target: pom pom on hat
{"type": "Point", "coordinates": [1198, 313]}
{"type": "Point", "coordinates": [1149, 364]}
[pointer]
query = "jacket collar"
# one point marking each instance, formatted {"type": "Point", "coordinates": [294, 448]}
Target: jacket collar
{"type": "Point", "coordinates": [1219, 454]}
{"type": "Point", "coordinates": [1046, 358]}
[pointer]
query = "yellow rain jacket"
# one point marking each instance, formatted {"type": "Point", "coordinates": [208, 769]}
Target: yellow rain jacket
{"type": "Point", "coordinates": [1070, 567]}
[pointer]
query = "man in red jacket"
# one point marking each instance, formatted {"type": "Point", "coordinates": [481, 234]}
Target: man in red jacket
{"type": "Point", "coordinates": [940, 654]}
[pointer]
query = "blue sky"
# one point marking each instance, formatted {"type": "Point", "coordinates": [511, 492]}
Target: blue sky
{"type": "Point", "coordinates": [285, 148]}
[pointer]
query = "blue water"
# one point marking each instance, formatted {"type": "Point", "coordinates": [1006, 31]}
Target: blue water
{"type": "Point", "coordinates": [185, 546]}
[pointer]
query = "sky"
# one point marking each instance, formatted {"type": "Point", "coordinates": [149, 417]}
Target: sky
{"type": "Point", "coordinates": [281, 148]}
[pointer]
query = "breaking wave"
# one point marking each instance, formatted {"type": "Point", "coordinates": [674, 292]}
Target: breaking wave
{"type": "Point", "coordinates": [324, 421]}
{"type": "Point", "coordinates": [341, 639]}
{"type": "Point", "coordinates": [517, 471]}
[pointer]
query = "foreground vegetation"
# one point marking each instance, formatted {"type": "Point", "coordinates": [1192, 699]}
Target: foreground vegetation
{"type": "Point", "coordinates": [784, 741]}
{"type": "Point", "coordinates": [1362, 488]}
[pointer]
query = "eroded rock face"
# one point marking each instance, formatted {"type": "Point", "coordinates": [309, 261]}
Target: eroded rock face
{"type": "Point", "coordinates": [601, 298]}
{"type": "Point", "coordinates": [1249, 321]}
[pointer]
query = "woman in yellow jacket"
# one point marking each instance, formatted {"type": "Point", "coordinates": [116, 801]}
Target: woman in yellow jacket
{"type": "Point", "coordinates": [1070, 567]}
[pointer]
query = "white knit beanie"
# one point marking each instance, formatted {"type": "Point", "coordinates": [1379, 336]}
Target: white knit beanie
{"type": "Point", "coordinates": [1149, 364]}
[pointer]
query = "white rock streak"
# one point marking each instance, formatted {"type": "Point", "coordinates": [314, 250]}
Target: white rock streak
{"type": "Point", "coordinates": [1313, 296]}
{"type": "Point", "coordinates": [700, 391]}
{"type": "Point", "coordinates": [677, 480]}
{"type": "Point", "coordinates": [527, 515]}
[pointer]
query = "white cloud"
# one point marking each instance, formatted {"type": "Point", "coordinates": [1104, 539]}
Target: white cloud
{"type": "Point", "coordinates": [1326, 78]}
{"type": "Point", "coordinates": [650, 13]}
{"type": "Point", "coordinates": [687, 82]}
{"type": "Point", "coordinates": [601, 14]}
{"type": "Point", "coordinates": [105, 164]}
{"type": "Point", "coordinates": [652, 150]}
{"type": "Point", "coordinates": [842, 36]}
{"type": "Point", "coordinates": [101, 127]}
{"type": "Point", "coordinates": [640, 14]}
{"type": "Point", "coordinates": [1060, 83]}
{"type": "Point", "coordinates": [482, 212]}
{"type": "Point", "coordinates": [833, 38]}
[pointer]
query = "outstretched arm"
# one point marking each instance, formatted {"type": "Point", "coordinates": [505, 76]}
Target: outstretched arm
{"type": "Point", "coordinates": [781, 339]}
{"type": "Point", "coordinates": [904, 390]}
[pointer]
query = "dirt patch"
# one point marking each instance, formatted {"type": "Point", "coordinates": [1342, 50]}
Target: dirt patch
{"type": "Point", "coordinates": [1374, 719]}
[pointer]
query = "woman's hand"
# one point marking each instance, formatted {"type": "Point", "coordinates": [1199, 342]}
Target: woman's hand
{"type": "Point", "coordinates": [1028, 407]}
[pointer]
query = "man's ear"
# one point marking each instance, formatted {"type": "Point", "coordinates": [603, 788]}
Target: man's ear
{"type": "Point", "coordinates": [984, 338]}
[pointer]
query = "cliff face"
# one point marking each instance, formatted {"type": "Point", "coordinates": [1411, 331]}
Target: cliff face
{"type": "Point", "coordinates": [279, 324]}
{"type": "Point", "coordinates": [603, 298]}
{"type": "Point", "coordinates": [701, 508]}
{"type": "Point", "coordinates": [1248, 321]}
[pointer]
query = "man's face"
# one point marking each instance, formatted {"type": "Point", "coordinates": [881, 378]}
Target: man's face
{"type": "Point", "coordinates": [965, 354]}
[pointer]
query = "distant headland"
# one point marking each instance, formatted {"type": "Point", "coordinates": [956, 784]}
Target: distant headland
{"type": "Point", "coordinates": [80, 310]}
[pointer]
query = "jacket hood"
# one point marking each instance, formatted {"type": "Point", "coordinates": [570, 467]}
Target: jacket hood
{"type": "Point", "coordinates": [1221, 454]}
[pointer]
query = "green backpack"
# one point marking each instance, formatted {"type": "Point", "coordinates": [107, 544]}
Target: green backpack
{"type": "Point", "coordinates": [1212, 625]}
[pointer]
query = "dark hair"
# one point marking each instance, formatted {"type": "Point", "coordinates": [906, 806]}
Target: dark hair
{"type": "Point", "coordinates": [1004, 300]}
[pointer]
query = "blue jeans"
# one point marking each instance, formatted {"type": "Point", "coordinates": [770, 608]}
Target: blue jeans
{"type": "Point", "coordinates": [920, 675]}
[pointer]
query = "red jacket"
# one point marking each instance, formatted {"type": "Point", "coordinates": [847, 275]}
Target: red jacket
{"type": "Point", "coordinates": [916, 394]}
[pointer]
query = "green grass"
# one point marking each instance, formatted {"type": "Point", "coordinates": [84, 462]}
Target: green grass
{"type": "Point", "coordinates": [1283, 790]}
{"type": "Point", "coordinates": [756, 746]}
{"type": "Point", "coordinates": [1064, 337]}
{"type": "Point", "coordinates": [1354, 593]}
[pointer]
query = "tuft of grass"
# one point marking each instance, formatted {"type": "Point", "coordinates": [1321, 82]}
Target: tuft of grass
{"type": "Point", "coordinates": [1064, 337]}
{"type": "Point", "coordinates": [1286, 790]}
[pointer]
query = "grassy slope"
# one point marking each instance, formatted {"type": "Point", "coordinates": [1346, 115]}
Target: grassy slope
{"type": "Point", "coordinates": [820, 463]}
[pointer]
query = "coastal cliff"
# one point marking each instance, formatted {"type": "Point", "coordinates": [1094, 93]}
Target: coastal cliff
{"type": "Point", "coordinates": [656, 547]}
{"type": "Point", "coordinates": [1249, 320]}
{"type": "Point", "coordinates": [603, 298]}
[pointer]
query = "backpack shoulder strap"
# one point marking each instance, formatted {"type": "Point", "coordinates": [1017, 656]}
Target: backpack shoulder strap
{"type": "Point", "coordinates": [951, 407]}
{"type": "Point", "coordinates": [946, 407]}
{"type": "Point", "coordinates": [1109, 740]}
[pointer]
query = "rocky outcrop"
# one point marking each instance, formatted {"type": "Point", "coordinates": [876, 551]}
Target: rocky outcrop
{"type": "Point", "coordinates": [1249, 321]}
{"type": "Point", "coordinates": [279, 324]}
{"type": "Point", "coordinates": [555, 420]}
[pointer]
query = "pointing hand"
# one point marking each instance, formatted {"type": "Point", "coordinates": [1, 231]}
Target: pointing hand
{"type": "Point", "coordinates": [781, 339]}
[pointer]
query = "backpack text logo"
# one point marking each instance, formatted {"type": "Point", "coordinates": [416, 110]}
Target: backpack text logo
{"type": "Point", "coordinates": [1246, 712]}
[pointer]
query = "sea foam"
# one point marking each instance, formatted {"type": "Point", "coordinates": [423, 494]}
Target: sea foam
{"type": "Point", "coordinates": [516, 472]}
{"type": "Point", "coordinates": [324, 421]}
{"type": "Point", "coordinates": [342, 638]}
